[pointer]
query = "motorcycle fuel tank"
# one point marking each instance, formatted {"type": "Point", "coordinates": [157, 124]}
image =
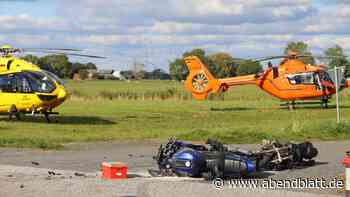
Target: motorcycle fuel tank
{"type": "Point", "coordinates": [188, 162]}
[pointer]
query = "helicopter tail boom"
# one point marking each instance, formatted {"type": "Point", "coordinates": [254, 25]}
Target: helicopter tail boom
{"type": "Point", "coordinates": [240, 80]}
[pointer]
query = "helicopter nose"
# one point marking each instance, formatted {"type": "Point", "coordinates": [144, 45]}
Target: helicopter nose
{"type": "Point", "coordinates": [62, 94]}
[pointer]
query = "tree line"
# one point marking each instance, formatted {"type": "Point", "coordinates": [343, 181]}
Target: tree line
{"type": "Point", "coordinates": [222, 64]}
{"type": "Point", "coordinates": [59, 64]}
{"type": "Point", "coordinates": [62, 67]}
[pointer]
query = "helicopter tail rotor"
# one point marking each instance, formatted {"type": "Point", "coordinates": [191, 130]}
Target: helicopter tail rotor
{"type": "Point", "coordinates": [200, 81]}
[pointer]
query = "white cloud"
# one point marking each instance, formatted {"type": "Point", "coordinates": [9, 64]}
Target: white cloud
{"type": "Point", "coordinates": [343, 41]}
{"type": "Point", "coordinates": [205, 8]}
{"type": "Point", "coordinates": [28, 40]}
{"type": "Point", "coordinates": [27, 22]}
{"type": "Point", "coordinates": [343, 11]}
{"type": "Point", "coordinates": [156, 40]}
{"type": "Point", "coordinates": [326, 41]}
{"type": "Point", "coordinates": [141, 12]}
{"type": "Point", "coordinates": [175, 27]}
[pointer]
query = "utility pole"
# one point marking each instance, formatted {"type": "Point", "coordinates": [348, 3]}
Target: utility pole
{"type": "Point", "coordinates": [337, 92]}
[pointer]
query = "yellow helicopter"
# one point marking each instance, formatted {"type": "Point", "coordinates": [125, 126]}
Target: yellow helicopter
{"type": "Point", "coordinates": [25, 88]}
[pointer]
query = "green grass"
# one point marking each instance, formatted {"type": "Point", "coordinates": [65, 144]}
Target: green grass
{"type": "Point", "coordinates": [243, 115]}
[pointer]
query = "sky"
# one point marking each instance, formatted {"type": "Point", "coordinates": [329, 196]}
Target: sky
{"type": "Point", "coordinates": [155, 32]}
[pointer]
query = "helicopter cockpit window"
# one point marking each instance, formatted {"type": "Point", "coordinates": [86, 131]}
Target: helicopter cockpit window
{"type": "Point", "coordinates": [54, 77]}
{"type": "Point", "coordinates": [301, 78]}
{"type": "Point", "coordinates": [324, 76]}
{"type": "Point", "coordinates": [40, 82]}
{"type": "Point", "coordinates": [8, 83]}
{"type": "Point", "coordinates": [22, 84]}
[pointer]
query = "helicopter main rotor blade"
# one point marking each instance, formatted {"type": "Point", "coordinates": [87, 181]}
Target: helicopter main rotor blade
{"type": "Point", "coordinates": [239, 59]}
{"type": "Point", "coordinates": [76, 54]}
{"type": "Point", "coordinates": [69, 54]}
{"type": "Point", "coordinates": [255, 60]}
{"type": "Point", "coordinates": [286, 56]}
{"type": "Point", "coordinates": [323, 56]}
{"type": "Point", "coordinates": [50, 49]}
{"type": "Point", "coordinates": [269, 58]}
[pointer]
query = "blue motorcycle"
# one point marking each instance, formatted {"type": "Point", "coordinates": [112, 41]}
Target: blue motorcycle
{"type": "Point", "coordinates": [214, 160]}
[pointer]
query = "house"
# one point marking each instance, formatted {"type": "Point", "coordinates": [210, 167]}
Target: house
{"type": "Point", "coordinates": [84, 74]}
{"type": "Point", "coordinates": [91, 73]}
{"type": "Point", "coordinates": [110, 74]}
{"type": "Point", "coordinates": [117, 74]}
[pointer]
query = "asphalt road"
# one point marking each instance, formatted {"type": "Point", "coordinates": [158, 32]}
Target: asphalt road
{"type": "Point", "coordinates": [138, 155]}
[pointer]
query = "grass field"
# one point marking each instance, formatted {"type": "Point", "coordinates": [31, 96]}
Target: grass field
{"type": "Point", "coordinates": [119, 110]}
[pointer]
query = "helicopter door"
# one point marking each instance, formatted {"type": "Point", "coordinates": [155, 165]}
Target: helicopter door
{"type": "Point", "coordinates": [23, 92]}
{"type": "Point", "coordinates": [15, 90]}
{"type": "Point", "coordinates": [326, 81]}
{"type": "Point", "coordinates": [318, 82]}
{"type": "Point", "coordinates": [8, 88]}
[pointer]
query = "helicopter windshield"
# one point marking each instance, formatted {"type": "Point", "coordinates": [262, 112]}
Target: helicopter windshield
{"type": "Point", "coordinates": [324, 76]}
{"type": "Point", "coordinates": [54, 77]}
{"type": "Point", "coordinates": [39, 82]}
{"type": "Point", "coordinates": [301, 78]}
{"type": "Point", "coordinates": [26, 82]}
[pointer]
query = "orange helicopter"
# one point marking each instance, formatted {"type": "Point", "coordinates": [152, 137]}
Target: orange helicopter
{"type": "Point", "coordinates": [291, 80]}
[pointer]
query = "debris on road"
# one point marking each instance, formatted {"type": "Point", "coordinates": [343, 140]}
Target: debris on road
{"type": "Point", "coordinates": [35, 163]}
{"type": "Point", "coordinates": [79, 174]}
{"type": "Point", "coordinates": [114, 170]}
{"type": "Point", "coordinates": [54, 173]}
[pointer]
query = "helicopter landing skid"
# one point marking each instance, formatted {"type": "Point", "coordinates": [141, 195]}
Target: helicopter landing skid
{"type": "Point", "coordinates": [291, 105]}
{"type": "Point", "coordinates": [19, 117]}
{"type": "Point", "coordinates": [16, 114]}
{"type": "Point", "coordinates": [47, 114]}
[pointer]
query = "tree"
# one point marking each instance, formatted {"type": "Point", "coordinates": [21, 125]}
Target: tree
{"type": "Point", "coordinates": [59, 63]}
{"type": "Point", "coordinates": [178, 69]}
{"type": "Point", "coordinates": [302, 49]}
{"type": "Point", "coordinates": [224, 64]}
{"type": "Point", "coordinates": [248, 67]}
{"type": "Point", "coordinates": [90, 65]}
{"type": "Point", "coordinates": [157, 74]}
{"type": "Point", "coordinates": [200, 53]}
{"type": "Point", "coordinates": [32, 58]}
{"type": "Point", "coordinates": [337, 58]}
